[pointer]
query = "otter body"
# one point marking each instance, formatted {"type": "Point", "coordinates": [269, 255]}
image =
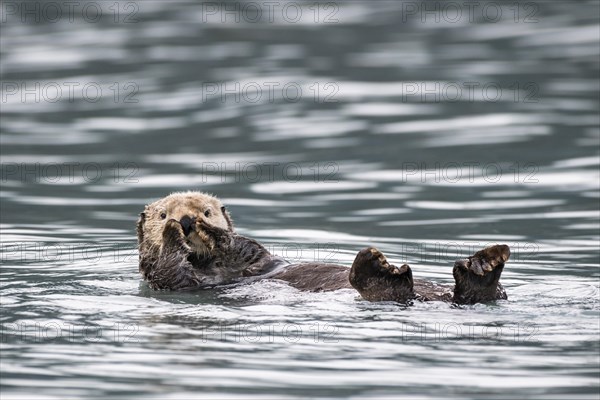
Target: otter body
{"type": "Point", "coordinates": [187, 241]}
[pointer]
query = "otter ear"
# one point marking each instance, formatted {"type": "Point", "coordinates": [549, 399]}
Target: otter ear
{"type": "Point", "coordinates": [227, 217]}
{"type": "Point", "coordinates": [140, 227]}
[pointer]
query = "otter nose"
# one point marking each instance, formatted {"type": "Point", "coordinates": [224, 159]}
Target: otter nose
{"type": "Point", "coordinates": [186, 223]}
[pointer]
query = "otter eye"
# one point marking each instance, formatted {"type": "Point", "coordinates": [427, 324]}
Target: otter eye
{"type": "Point", "coordinates": [207, 213]}
{"type": "Point", "coordinates": [163, 215]}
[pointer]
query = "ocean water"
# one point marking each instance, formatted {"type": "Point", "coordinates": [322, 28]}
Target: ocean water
{"type": "Point", "coordinates": [427, 130]}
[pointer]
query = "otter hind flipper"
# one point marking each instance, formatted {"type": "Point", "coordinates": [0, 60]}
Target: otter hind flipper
{"type": "Point", "coordinates": [477, 277]}
{"type": "Point", "coordinates": [377, 280]}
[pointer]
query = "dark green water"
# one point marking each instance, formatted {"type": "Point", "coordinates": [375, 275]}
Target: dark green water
{"type": "Point", "coordinates": [426, 134]}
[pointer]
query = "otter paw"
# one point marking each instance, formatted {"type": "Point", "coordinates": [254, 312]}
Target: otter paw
{"type": "Point", "coordinates": [173, 237]}
{"type": "Point", "coordinates": [477, 277]}
{"type": "Point", "coordinates": [484, 261]}
{"type": "Point", "coordinates": [211, 229]}
{"type": "Point", "coordinates": [377, 280]}
{"type": "Point", "coordinates": [373, 260]}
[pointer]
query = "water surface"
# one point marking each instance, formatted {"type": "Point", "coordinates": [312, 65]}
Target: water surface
{"type": "Point", "coordinates": [428, 138]}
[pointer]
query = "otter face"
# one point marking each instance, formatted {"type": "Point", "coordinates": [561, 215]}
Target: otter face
{"type": "Point", "coordinates": [189, 209]}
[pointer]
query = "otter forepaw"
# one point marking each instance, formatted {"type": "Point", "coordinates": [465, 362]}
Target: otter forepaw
{"type": "Point", "coordinates": [174, 238]}
{"type": "Point", "coordinates": [477, 277]}
{"type": "Point", "coordinates": [218, 235]}
{"type": "Point", "coordinates": [377, 280]}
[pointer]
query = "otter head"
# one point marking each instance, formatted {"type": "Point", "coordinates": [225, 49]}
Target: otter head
{"type": "Point", "coordinates": [188, 209]}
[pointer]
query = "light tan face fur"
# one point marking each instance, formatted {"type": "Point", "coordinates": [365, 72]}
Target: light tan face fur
{"type": "Point", "coordinates": [177, 205]}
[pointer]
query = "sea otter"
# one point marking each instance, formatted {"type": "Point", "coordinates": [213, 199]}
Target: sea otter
{"type": "Point", "coordinates": [187, 241]}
